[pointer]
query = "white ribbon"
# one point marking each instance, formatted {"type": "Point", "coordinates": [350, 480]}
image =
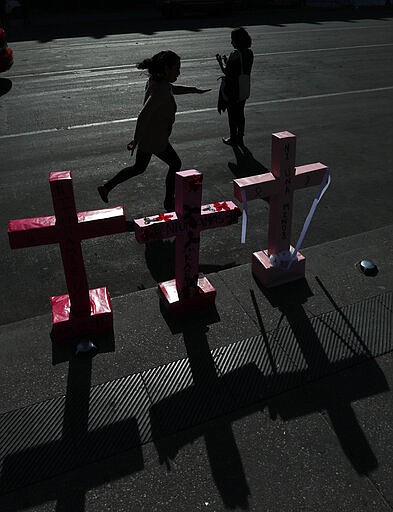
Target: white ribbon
{"type": "Point", "coordinates": [324, 186]}
{"type": "Point", "coordinates": [244, 217]}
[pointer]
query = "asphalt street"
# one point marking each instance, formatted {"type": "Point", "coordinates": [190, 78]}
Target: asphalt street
{"type": "Point", "coordinates": [71, 103]}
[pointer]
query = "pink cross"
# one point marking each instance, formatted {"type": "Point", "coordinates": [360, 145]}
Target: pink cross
{"type": "Point", "coordinates": [189, 290]}
{"type": "Point", "coordinates": [81, 311]}
{"type": "Point", "coordinates": [270, 267]}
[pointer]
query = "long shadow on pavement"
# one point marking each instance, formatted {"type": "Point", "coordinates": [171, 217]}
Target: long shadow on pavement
{"type": "Point", "coordinates": [5, 86]}
{"type": "Point", "coordinates": [94, 435]}
{"type": "Point", "coordinates": [198, 396]}
{"type": "Point", "coordinates": [47, 26]}
{"type": "Point", "coordinates": [246, 164]}
{"type": "Point", "coordinates": [71, 456]}
{"type": "Point", "coordinates": [160, 260]}
{"type": "Point", "coordinates": [220, 386]}
{"type": "Point", "coordinates": [314, 352]}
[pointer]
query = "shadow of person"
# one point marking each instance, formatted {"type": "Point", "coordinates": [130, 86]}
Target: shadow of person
{"type": "Point", "coordinates": [246, 164]}
{"type": "Point", "coordinates": [5, 86]}
{"type": "Point", "coordinates": [180, 416]}
{"type": "Point", "coordinates": [321, 358]}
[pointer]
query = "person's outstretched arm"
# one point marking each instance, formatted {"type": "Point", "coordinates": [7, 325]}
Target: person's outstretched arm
{"type": "Point", "coordinates": [186, 89]}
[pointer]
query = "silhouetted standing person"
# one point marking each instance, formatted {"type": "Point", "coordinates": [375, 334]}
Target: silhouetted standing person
{"type": "Point", "coordinates": [234, 89]}
{"type": "Point", "coordinates": [154, 124]}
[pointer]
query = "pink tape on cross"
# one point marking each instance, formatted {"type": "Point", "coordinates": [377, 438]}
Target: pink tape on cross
{"type": "Point", "coordinates": [186, 223]}
{"type": "Point", "coordinates": [67, 228]}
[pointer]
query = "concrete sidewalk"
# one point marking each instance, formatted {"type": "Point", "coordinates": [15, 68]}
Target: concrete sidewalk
{"type": "Point", "coordinates": [272, 401]}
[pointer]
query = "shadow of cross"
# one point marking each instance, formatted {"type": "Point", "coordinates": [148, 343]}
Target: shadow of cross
{"type": "Point", "coordinates": [201, 396]}
{"type": "Point", "coordinates": [81, 311]}
{"type": "Point", "coordinates": [271, 267]}
{"type": "Point", "coordinates": [313, 343]}
{"type": "Point", "coordinates": [204, 398]}
{"type": "Point", "coordinates": [71, 442]}
{"type": "Point", "coordinates": [189, 290]}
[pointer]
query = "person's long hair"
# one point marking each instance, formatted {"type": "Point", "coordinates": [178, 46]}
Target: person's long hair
{"type": "Point", "coordinates": [241, 38]}
{"type": "Point", "coordinates": [156, 65]}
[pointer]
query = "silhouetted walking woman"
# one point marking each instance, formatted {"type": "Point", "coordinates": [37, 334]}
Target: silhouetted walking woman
{"type": "Point", "coordinates": [154, 124]}
{"type": "Point", "coordinates": [235, 87]}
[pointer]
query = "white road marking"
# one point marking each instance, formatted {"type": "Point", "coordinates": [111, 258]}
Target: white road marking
{"type": "Point", "coordinates": [26, 134]}
{"type": "Point", "coordinates": [337, 48]}
{"type": "Point", "coordinates": [201, 110]}
{"type": "Point", "coordinates": [72, 90]}
{"type": "Point", "coordinates": [129, 67]}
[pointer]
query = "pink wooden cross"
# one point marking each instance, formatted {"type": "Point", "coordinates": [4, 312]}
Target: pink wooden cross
{"type": "Point", "coordinates": [81, 311]}
{"type": "Point", "coordinates": [189, 290]}
{"type": "Point", "coordinates": [270, 267]}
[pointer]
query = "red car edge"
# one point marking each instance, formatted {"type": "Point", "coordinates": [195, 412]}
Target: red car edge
{"type": "Point", "coordinates": [6, 58]}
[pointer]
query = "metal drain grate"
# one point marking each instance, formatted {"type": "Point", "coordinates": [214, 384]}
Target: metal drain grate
{"type": "Point", "coordinates": [55, 436]}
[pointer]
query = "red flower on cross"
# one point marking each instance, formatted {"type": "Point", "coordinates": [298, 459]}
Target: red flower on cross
{"type": "Point", "coordinates": [221, 206]}
{"type": "Point", "coordinates": [164, 216]}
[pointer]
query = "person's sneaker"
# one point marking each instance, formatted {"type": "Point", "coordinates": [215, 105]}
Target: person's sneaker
{"type": "Point", "coordinates": [229, 141]}
{"type": "Point", "coordinates": [240, 141]}
{"type": "Point", "coordinates": [103, 193]}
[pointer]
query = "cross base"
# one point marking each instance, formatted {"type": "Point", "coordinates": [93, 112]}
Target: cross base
{"type": "Point", "coordinates": [270, 276]}
{"type": "Point", "coordinates": [66, 326]}
{"type": "Point", "coordinates": [205, 296]}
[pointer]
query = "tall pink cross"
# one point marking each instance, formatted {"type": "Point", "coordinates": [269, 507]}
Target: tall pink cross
{"type": "Point", "coordinates": [189, 290]}
{"type": "Point", "coordinates": [81, 311]}
{"type": "Point", "coordinates": [271, 267]}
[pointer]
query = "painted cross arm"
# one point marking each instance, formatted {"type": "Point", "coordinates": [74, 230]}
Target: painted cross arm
{"type": "Point", "coordinates": [216, 215]}
{"type": "Point", "coordinates": [31, 232]}
{"type": "Point", "coordinates": [309, 175]}
{"type": "Point", "coordinates": [255, 187]}
{"type": "Point", "coordinates": [266, 185]}
{"type": "Point", "coordinates": [108, 221]}
{"type": "Point", "coordinates": [43, 230]}
{"type": "Point", "coordinates": [221, 213]}
{"type": "Point", "coordinates": [167, 225]}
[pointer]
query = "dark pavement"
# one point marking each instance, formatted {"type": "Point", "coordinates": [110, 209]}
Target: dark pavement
{"type": "Point", "coordinates": [272, 401]}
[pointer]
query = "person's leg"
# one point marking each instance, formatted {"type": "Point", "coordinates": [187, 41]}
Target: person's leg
{"type": "Point", "coordinates": [232, 120]}
{"type": "Point", "coordinates": [241, 122]}
{"type": "Point", "coordinates": [170, 157]}
{"type": "Point", "coordinates": [142, 160]}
